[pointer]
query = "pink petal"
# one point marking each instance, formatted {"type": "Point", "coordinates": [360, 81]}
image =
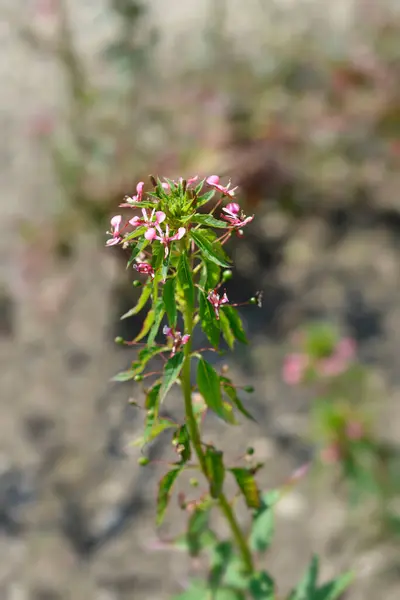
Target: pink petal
{"type": "Point", "coordinates": [150, 234]}
{"type": "Point", "coordinates": [135, 221]}
{"type": "Point", "coordinates": [233, 208]}
{"type": "Point", "coordinates": [192, 180]}
{"type": "Point", "coordinates": [185, 339]}
{"type": "Point", "coordinates": [165, 186]}
{"type": "Point", "coordinates": [179, 235]}
{"type": "Point", "coordinates": [113, 241]}
{"type": "Point", "coordinates": [116, 221]}
{"type": "Point", "coordinates": [139, 190]}
{"type": "Point", "coordinates": [160, 216]}
{"type": "Point", "coordinates": [213, 180]}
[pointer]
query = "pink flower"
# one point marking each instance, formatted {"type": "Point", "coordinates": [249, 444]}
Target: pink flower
{"type": "Point", "coordinates": [354, 430]}
{"type": "Point", "coordinates": [179, 340]}
{"type": "Point", "coordinates": [342, 356]}
{"type": "Point", "coordinates": [234, 217]}
{"type": "Point", "coordinates": [155, 218]}
{"type": "Point", "coordinates": [130, 201]}
{"type": "Point", "coordinates": [164, 237]}
{"type": "Point", "coordinates": [115, 232]}
{"type": "Point", "coordinates": [144, 268]}
{"type": "Point", "coordinates": [217, 301]}
{"type": "Point", "coordinates": [331, 454]}
{"type": "Point", "coordinates": [213, 181]}
{"type": "Point", "coordinates": [294, 368]}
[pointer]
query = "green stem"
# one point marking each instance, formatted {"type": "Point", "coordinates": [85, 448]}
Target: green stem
{"type": "Point", "coordinates": [194, 432]}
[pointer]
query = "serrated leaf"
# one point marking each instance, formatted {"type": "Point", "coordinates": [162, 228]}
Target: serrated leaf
{"type": "Point", "coordinates": [306, 588]}
{"type": "Point", "coordinates": [209, 387]}
{"type": "Point", "coordinates": [262, 587]}
{"type": "Point", "coordinates": [226, 330]}
{"type": "Point", "coordinates": [205, 198]}
{"type": "Point", "coordinates": [262, 529]}
{"type": "Point", "coordinates": [231, 392]}
{"type": "Point", "coordinates": [248, 486]}
{"type": "Point", "coordinates": [209, 323]}
{"type": "Point", "coordinates": [209, 220]}
{"type": "Point", "coordinates": [140, 246]}
{"type": "Point", "coordinates": [335, 588]}
{"type": "Point", "coordinates": [169, 301]}
{"type": "Point", "coordinates": [211, 251]}
{"type": "Point", "coordinates": [172, 371]}
{"type": "Point", "coordinates": [235, 323]}
{"type": "Point", "coordinates": [185, 280]}
{"type": "Point", "coordinates": [164, 493]}
{"type": "Point", "coordinates": [147, 324]}
{"type": "Point", "coordinates": [144, 296]}
{"type": "Point", "coordinates": [158, 317]}
{"type": "Point", "coordinates": [215, 470]}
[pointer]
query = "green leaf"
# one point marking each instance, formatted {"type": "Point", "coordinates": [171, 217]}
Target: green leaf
{"type": "Point", "coordinates": [247, 485]}
{"type": "Point", "coordinates": [235, 323]}
{"type": "Point", "coordinates": [211, 251]}
{"type": "Point", "coordinates": [198, 526]}
{"type": "Point", "coordinates": [306, 588]}
{"type": "Point", "coordinates": [211, 274]}
{"type": "Point", "coordinates": [215, 470]}
{"type": "Point", "coordinates": [335, 588]}
{"type": "Point", "coordinates": [169, 301]}
{"type": "Point", "coordinates": [144, 296]}
{"type": "Point", "coordinates": [164, 493]}
{"type": "Point", "coordinates": [197, 591]}
{"type": "Point", "coordinates": [226, 330]}
{"type": "Point", "coordinates": [153, 398]}
{"type": "Point", "coordinates": [147, 324]}
{"type": "Point", "coordinates": [209, 387]}
{"type": "Point", "coordinates": [157, 255]}
{"type": "Point", "coordinates": [145, 355]}
{"type": "Point", "coordinates": [219, 560]}
{"type": "Point", "coordinates": [158, 317]}
{"type": "Point", "coordinates": [229, 594]}
{"type": "Point", "coordinates": [236, 575]}
{"type": "Point", "coordinates": [165, 265]}
{"type": "Point", "coordinates": [231, 392]}
{"type": "Point", "coordinates": [172, 370]}
{"type": "Point", "coordinates": [124, 376]}
{"type": "Point", "coordinates": [185, 280]}
{"type": "Point", "coordinates": [262, 529]}
{"type": "Point", "coordinates": [134, 234]}
{"type": "Point", "coordinates": [152, 429]}
{"type": "Point", "coordinates": [205, 198]}
{"type": "Point", "coordinates": [182, 441]}
{"type": "Point", "coordinates": [262, 587]}
{"type": "Point", "coordinates": [140, 246]}
{"type": "Point", "coordinates": [209, 323]}
{"type": "Point", "coordinates": [209, 220]}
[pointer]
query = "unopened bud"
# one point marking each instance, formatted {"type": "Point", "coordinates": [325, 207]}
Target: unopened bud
{"type": "Point", "coordinates": [119, 340]}
{"type": "Point", "coordinates": [250, 451]}
{"type": "Point", "coordinates": [137, 283]}
{"type": "Point", "coordinates": [226, 275]}
{"type": "Point", "coordinates": [143, 461]}
{"type": "Point", "coordinates": [249, 389]}
{"type": "Point", "coordinates": [253, 300]}
{"type": "Point", "coordinates": [153, 180]}
{"type": "Point", "coordinates": [138, 378]}
{"type": "Point", "coordinates": [224, 368]}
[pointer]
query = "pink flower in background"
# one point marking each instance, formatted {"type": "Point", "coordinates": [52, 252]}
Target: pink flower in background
{"type": "Point", "coordinates": [234, 217]}
{"type": "Point", "coordinates": [294, 368]}
{"type": "Point", "coordinates": [149, 221]}
{"type": "Point", "coordinates": [130, 201]}
{"type": "Point", "coordinates": [42, 125]}
{"type": "Point", "coordinates": [340, 360]}
{"type": "Point", "coordinates": [355, 430]}
{"type": "Point", "coordinates": [145, 269]}
{"type": "Point", "coordinates": [115, 231]}
{"type": "Point", "coordinates": [213, 181]}
{"type": "Point", "coordinates": [331, 454]}
{"type": "Point", "coordinates": [217, 301]}
{"type": "Point", "coordinates": [156, 233]}
{"type": "Point", "coordinates": [179, 340]}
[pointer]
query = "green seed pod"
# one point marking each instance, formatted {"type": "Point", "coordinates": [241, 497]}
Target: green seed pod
{"type": "Point", "coordinates": [249, 389]}
{"type": "Point", "coordinates": [250, 451]}
{"type": "Point", "coordinates": [226, 275]}
{"type": "Point", "coordinates": [253, 300]}
{"type": "Point", "coordinates": [138, 378]}
{"type": "Point", "coordinates": [143, 461]}
{"type": "Point", "coordinates": [137, 283]}
{"type": "Point", "coordinates": [119, 340]}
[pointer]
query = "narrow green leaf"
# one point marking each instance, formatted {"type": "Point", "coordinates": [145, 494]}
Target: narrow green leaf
{"type": "Point", "coordinates": [164, 493]}
{"type": "Point", "coordinates": [152, 428]}
{"type": "Point", "coordinates": [235, 323]}
{"type": "Point", "coordinates": [185, 280]}
{"type": "Point", "coordinates": [205, 198]}
{"type": "Point", "coordinates": [145, 355]}
{"type": "Point", "coordinates": [210, 275]}
{"type": "Point", "coordinates": [158, 317]}
{"type": "Point", "coordinates": [334, 589]}
{"type": "Point", "coordinates": [197, 591]}
{"type": "Point", "coordinates": [165, 265]}
{"type": "Point", "coordinates": [215, 470]}
{"type": "Point", "coordinates": [199, 187]}
{"type": "Point", "coordinates": [262, 529]}
{"type": "Point", "coordinates": [140, 246]}
{"type": "Point", "coordinates": [134, 234]}
{"type": "Point", "coordinates": [172, 370]}
{"type": "Point", "coordinates": [262, 587]}
{"type": "Point", "coordinates": [209, 220]}
{"type": "Point", "coordinates": [198, 525]}
{"type": "Point", "coordinates": [157, 255]}
{"type": "Point", "coordinates": [208, 320]}
{"type": "Point", "coordinates": [307, 587]}
{"type": "Point", "coordinates": [124, 376]}
{"type": "Point", "coordinates": [152, 398]}
{"type": "Point", "coordinates": [248, 486]}
{"type": "Point", "coordinates": [226, 330]}
{"type": "Point", "coordinates": [231, 392]}
{"type": "Point", "coordinates": [209, 387]}
{"type": "Point", "coordinates": [169, 301]}
{"type": "Point", "coordinates": [182, 443]}
{"type": "Point", "coordinates": [147, 324]}
{"type": "Point", "coordinates": [236, 575]}
{"type": "Point", "coordinates": [220, 558]}
{"type": "Point", "coordinates": [144, 296]}
{"type": "Point", "coordinates": [211, 251]}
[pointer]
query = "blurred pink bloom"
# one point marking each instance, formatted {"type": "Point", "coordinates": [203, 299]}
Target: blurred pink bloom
{"type": "Point", "coordinates": [42, 125]}
{"type": "Point", "coordinates": [294, 368]}
{"type": "Point", "coordinates": [115, 232]}
{"type": "Point", "coordinates": [46, 8]}
{"type": "Point", "coordinates": [354, 430]}
{"type": "Point", "coordinates": [234, 217]}
{"type": "Point", "coordinates": [342, 356]}
{"type": "Point", "coordinates": [144, 268]}
{"type": "Point", "coordinates": [149, 221]}
{"type": "Point", "coordinates": [213, 181]}
{"type": "Point", "coordinates": [179, 340]}
{"type": "Point", "coordinates": [164, 237]}
{"type": "Point", "coordinates": [217, 301]}
{"type": "Point", "coordinates": [331, 454]}
{"type": "Point", "coordinates": [129, 201]}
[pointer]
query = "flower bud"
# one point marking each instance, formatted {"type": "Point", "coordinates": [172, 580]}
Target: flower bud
{"type": "Point", "coordinates": [153, 180]}
{"type": "Point", "coordinates": [137, 283]}
{"type": "Point", "coordinates": [138, 378]}
{"type": "Point", "coordinates": [226, 275]}
{"type": "Point", "coordinates": [253, 300]}
{"type": "Point", "coordinates": [249, 389]}
{"type": "Point", "coordinates": [143, 461]}
{"type": "Point", "coordinates": [250, 451]}
{"type": "Point", "coordinates": [119, 340]}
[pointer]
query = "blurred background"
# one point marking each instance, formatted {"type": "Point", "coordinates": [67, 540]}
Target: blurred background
{"type": "Point", "coordinates": [298, 103]}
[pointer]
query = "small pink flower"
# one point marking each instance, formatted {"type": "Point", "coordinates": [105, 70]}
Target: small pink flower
{"type": "Point", "coordinates": [294, 368]}
{"type": "Point", "coordinates": [331, 454]}
{"type": "Point", "coordinates": [354, 430]}
{"type": "Point", "coordinates": [149, 221]}
{"type": "Point", "coordinates": [144, 268]}
{"type": "Point", "coordinates": [213, 181]}
{"type": "Point", "coordinates": [179, 340]}
{"type": "Point", "coordinates": [234, 217]}
{"type": "Point", "coordinates": [130, 201]}
{"type": "Point", "coordinates": [164, 237]}
{"type": "Point", "coordinates": [339, 361]}
{"type": "Point", "coordinates": [217, 301]}
{"type": "Point", "coordinates": [115, 231]}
